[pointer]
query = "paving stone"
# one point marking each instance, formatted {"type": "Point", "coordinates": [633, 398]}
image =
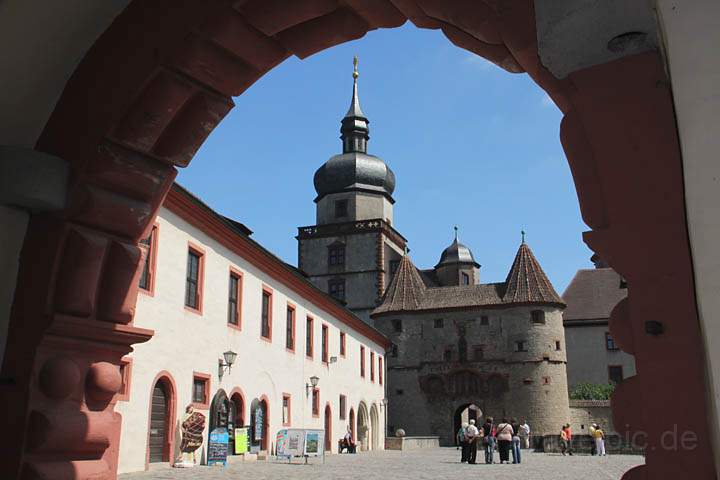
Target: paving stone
{"type": "Point", "coordinates": [429, 464]}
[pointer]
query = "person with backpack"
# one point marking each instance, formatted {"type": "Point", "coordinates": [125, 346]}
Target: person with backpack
{"type": "Point", "coordinates": [460, 437]}
{"type": "Point", "coordinates": [489, 439]}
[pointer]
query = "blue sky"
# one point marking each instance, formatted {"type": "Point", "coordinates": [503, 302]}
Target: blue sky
{"type": "Point", "coordinates": [470, 145]}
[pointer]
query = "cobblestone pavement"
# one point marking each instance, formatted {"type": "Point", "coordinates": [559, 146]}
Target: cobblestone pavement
{"type": "Point", "coordinates": [413, 465]}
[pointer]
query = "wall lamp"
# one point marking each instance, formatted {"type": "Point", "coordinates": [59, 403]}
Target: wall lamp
{"type": "Point", "coordinates": [229, 357]}
{"type": "Point", "coordinates": [313, 383]}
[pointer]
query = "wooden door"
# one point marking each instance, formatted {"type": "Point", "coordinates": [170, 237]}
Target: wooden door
{"type": "Point", "coordinates": [158, 424]}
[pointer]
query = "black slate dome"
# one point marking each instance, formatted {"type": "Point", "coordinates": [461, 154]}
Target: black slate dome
{"type": "Point", "coordinates": [354, 169]}
{"type": "Point", "coordinates": [456, 253]}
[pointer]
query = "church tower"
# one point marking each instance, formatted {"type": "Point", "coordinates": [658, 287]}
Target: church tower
{"type": "Point", "coordinates": [352, 250]}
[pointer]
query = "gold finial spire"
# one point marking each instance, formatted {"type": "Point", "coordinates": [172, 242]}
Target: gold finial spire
{"type": "Point", "coordinates": [355, 69]}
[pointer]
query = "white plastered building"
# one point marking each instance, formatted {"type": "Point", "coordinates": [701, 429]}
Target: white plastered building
{"type": "Point", "coordinates": [194, 253]}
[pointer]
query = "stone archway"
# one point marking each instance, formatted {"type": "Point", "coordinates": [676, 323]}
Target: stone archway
{"type": "Point", "coordinates": [464, 413]}
{"type": "Point", "coordinates": [363, 428]}
{"type": "Point", "coordinates": [155, 84]}
{"type": "Point", "coordinates": [374, 428]}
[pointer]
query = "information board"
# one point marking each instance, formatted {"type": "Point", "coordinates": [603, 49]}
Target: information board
{"type": "Point", "coordinates": [314, 443]}
{"type": "Point", "coordinates": [218, 447]}
{"type": "Point", "coordinates": [241, 440]}
{"type": "Point", "coordinates": [259, 419]}
{"type": "Point", "coordinates": [290, 443]}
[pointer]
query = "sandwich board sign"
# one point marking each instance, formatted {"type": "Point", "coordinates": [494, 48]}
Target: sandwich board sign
{"type": "Point", "coordinates": [290, 443]}
{"type": "Point", "coordinates": [218, 447]}
{"type": "Point", "coordinates": [241, 440]}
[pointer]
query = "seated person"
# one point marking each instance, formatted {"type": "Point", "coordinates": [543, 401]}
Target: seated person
{"type": "Point", "coordinates": [346, 443]}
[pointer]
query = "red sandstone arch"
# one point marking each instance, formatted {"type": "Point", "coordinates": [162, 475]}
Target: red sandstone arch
{"type": "Point", "coordinates": [169, 448]}
{"type": "Point", "coordinates": [238, 397]}
{"type": "Point", "coordinates": [159, 80]}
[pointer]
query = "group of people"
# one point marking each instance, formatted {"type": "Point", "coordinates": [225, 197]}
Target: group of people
{"type": "Point", "coordinates": [597, 434]}
{"type": "Point", "coordinates": [507, 436]}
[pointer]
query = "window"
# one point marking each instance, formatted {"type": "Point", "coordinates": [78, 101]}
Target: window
{"type": "Point", "coordinates": [201, 390]}
{"type": "Point", "coordinates": [521, 346]}
{"type": "Point", "coordinates": [394, 264]}
{"type": "Point", "coordinates": [336, 254]}
{"type": "Point", "coordinates": [399, 391]}
{"type": "Point", "coordinates": [193, 279]}
{"type": "Point", "coordinates": [478, 352]}
{"type": "Point", "coordinates": [336, 288]}
{"type": "Point", "coordinates": [380, 370]}
{"type": "Point", "coordinates": [342, 344]}
{"type": "Point", "coordinates": [362, 362]}
{"type": "Point", "coordinates": [234, 296]}
{"type": "Point", "coordinates": [341, 208]}
{"type": "Point", "coordinates": [343, 406]}
{"type": "Point", "coordinates": [465, 278]}
{"type": "Point", "coordinates": [149, 245]}
{"type": "Point", "coordinates": [484, 320]}
{"type": "Point", "coordinates": [324, 344]}
{"type": "Point", "coordinates": [266, 315]}
{"type": "Point", "coordinates": [438, 323]}
{"type": "Point", "coordinates": [546, 380]}
{"type": "Point", "coordinates": [286, 420]}
{"type": "Point", "coordinates": [557, 345]}
{"type": "Point", "coordinates": [394, 351]}
{"type": "Point", "coordinates": [447, 355]}
{"type": "Point", "coordinates": [538, 317]}
{"type": "Point", "coordinates": [610, 343]}
{"type": "Point", "coordinates": [615, 373]}
{"type": "Point", "coordinates": [125, 376]}
{"type": "Point", "coordinates": [316, 402]}
{"type": "Point", "coordinates": [372, 366]}
{"type": "Point", "coordinates": [290, 328]}
{"type": "Point", "coordinates": [397, 325]}
{"type": "Point", "coordinates": [309, 337]}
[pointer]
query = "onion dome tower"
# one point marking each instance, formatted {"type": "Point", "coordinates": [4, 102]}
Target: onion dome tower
{"type": "Point", "coordinates": [354, 185]}
{"type": "Point", "coordinates": [457, 265]}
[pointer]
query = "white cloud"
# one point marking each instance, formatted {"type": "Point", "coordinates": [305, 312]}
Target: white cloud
{"type": "Point", "coordinates": [479, 62]}
{"type": "Point", "coordinates": [546, 101]}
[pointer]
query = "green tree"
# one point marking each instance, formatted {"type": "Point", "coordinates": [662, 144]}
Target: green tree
{"type": "Point", "coordinates": [592, 391]}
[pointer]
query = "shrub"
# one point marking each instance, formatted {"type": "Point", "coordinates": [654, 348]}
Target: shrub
{"type": "Point", "coordinates": [591, 391]}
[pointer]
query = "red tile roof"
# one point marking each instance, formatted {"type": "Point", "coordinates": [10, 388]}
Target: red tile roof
{"type": "Point", "coordinates": [592, 294]}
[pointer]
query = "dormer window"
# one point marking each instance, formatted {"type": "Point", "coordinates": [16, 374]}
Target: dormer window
{"type": "Point", "coordinates": [336, 254]}
{"type": "Point", "coordinates": [341, 208]}
{"type": "Point", "coordinates": [465, 278]}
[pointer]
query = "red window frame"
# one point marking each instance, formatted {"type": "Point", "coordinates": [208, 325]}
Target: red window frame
{"type": "Point", "coordinates": [325, 344]}
{"type": "Point", "coordinates": [287, 421]}
{"type": "Point", "coordinates": [343, 345]}
{"type": "Point", "coordinates": [269, 292]}
{"type": "Point", "coordinates": [237, 274]}
{"type": "Point", "coordinates": [309, 338]}
{"type": "Point", "coordinates": [342, 407]}
{"type": "Point", "coordinates": [206, 377]}
{"type": "Point", "coordinates": [362, 361]}
{"type": "Point", "coordinates": [150, 260]}
{"type": "Point", "coordinates": [372, 367]}
{"type": "Point", "coordinates": [316, 402]}
{"type": "Point", "coordinates": [200, 252]}
{"type": "Point", "coordinates": [126, 375]}
{"type": "Point", "coordinates": [290, 329]}
{"type": "Point", "coordinates": [380, 370]}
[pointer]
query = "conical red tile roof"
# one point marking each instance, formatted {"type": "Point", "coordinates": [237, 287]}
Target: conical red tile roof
{"type": "Point", "coordinates": [406, 291]}
{"type": "Point", "coordinates": [527, 283]}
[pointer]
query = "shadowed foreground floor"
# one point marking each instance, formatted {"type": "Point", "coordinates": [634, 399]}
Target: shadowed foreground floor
{"type": "Point", "coordinates": [413, 465]}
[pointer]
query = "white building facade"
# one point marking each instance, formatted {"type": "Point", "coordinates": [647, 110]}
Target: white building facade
{"type": "Point", "coordinates": [209, 289]}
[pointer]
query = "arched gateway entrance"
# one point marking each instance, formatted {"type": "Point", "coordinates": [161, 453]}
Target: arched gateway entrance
{"type": "Point", "coordinates": [160, 78]}
{"type": "Point", "coordinates": [464, 413]}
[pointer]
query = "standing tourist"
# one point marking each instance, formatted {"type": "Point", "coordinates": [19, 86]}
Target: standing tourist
{"type": "Point", "coordinates": [563, 440]}
{"type": "Point", "coordinates": [525, 433]}
{"type": "Point", "coordinates": [515, 440]}
{"type": "Point", "coordinates": [599, 437]}
{"type": "Point", "coordinates": [593, 446]}
{"type": "Point", "coordinates": [504, 437]}
{"type": "Point", "coordinates": [489, 439]}
{"type": "Point", "coordinates": [460, 437]}
{"type": "Point", "coordinates": [568, 434]}
{"type": "Point", "coordinates": [471, 437]}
